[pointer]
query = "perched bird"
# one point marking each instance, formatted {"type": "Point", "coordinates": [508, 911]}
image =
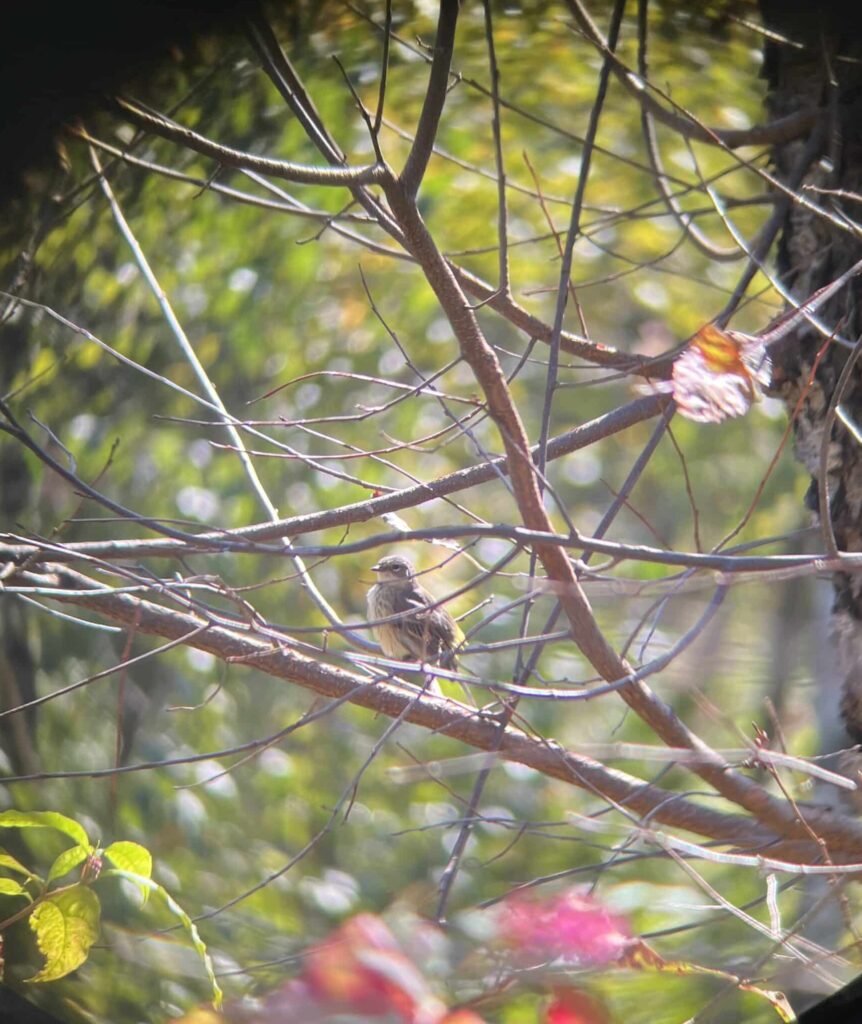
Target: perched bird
{"type": "Point", "coordinates": [427, 633]}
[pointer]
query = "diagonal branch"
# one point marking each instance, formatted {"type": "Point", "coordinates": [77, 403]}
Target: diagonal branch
{"type": "Point", "coordinates": [785, 129]}
{"type": "Point", "coordinates": [302, 174]}
{"type": "Point", "coordinates": [449, 718]}
{"type": "Point", "coordinates": [585, 630]}
{"type": "Point", "coordinates": [358, 512]}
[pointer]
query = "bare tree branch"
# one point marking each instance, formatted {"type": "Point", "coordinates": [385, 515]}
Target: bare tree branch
{"type": "Point", "coordinates": [284, 661]}
{"type": "Point", "coordinates": [167, 129]}
{"type": "Point", "coordinates": [435, 97]}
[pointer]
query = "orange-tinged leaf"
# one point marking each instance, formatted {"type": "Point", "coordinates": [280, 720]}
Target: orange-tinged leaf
{"type": "Point", "coordinates": [722, 350]}
{"type": "Point", "coordinates": [718, 376]}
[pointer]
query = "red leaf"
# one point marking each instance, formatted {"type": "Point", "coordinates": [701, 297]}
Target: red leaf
{"type": "Point", "coordinates": [574, 1006]}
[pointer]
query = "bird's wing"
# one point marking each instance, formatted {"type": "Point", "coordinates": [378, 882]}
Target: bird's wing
{"type": "Point", "coordinates": [418, 598]}
{"type": "Point", "coordinates": [429, 632]}
{"type": "Point", "coordinates": [443, 627]}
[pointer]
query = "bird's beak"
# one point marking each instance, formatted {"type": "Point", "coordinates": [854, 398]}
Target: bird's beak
{"type": "Point", "coordinates": [375, 568]}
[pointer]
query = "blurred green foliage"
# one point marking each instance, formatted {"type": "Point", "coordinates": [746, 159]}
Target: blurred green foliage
{"type": "Point", "coordinates": [269, 301]}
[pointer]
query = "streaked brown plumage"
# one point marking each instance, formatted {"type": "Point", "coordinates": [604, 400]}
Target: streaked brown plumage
{"type": "Point", "coordinates": [428, 634]}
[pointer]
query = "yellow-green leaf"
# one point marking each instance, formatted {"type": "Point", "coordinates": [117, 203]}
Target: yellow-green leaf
{"type": "Point", "coordinates": [67, 860]}
{"type": "Point", "coordinates": [187, 922]}
{"type": "Point", "coordinates": [46, 819]}
{"type": "Point", "coordinates": [128, 856]}
{"type": "Point", "coordinates": [132, 858]}
{"type": "Point", "coordinates": [66, 926]}
{"type": "Point", "coordinates": [10, 863]}
{"type": "Point", "coordinates": [778, 1000]}
{"type": "Point", "coordinates": [9, 887]}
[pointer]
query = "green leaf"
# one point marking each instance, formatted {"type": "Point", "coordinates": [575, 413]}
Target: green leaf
{"type": "Point", "coordinates": [128, 856]}
{"type": "Point", "coordinates": [66, 926]}
{"type": "Point", "coordinates": [10, 863]}
{"type": "Point", "coordinates": [143, 882]}
{"type": "Point", "coordinates": [67, 860]}
{"type": "Point", "coordinates": [46, 819]}
{"type": "Point", "coordinates": [9, 887]}
{"type": "Point", "coordinates": [132, 858]}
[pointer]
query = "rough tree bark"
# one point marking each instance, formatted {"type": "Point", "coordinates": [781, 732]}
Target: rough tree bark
{"type": "Point", "coordinates": [820, 66]}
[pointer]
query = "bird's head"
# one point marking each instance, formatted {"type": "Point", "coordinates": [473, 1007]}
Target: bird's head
{"type": "Point", "coordinates": [393, 568]}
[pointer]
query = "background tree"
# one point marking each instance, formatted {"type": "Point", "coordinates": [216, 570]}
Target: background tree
{"type": "Point", "coordinates": [454, 271]}
{"type": "Point", "coordinates": [811, 248]}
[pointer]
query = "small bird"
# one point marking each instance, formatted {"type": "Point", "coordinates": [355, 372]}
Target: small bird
{"type": "Point", "coordinates": [428, 633]}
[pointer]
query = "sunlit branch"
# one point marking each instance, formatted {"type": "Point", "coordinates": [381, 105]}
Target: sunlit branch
{"type": "Point", "coordinates": [502, 211]}
{"type": "Point", "coordinates": [435, 97]}
{"type": "Point", "coordinates": [785, 129]}
{"type": "Point", "coordinates": [684, 219]}
{"type": "Point", "coordinates": [246, 538]}
{"type": "Point", "coordinates": [585, 629]}
{"type": "Point", "coordinates": [447, 718]}
{"type": "Point", "coordinates": [572, 235]}
{"type": "Point", "coordinates": [209, 388]}
{"type": "Point", "coordinates": [296, 96]}
{"type": "Point", "coordinates": [286, 205]}
{"type": "Point", "coordinates": [158, 124]}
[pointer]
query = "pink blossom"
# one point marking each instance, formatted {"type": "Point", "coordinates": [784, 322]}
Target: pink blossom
{"type": "Point", "coordinates": [572, 927]}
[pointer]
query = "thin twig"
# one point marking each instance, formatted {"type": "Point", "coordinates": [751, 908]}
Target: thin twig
{"type": "Point", "coordinates": [503, 284]}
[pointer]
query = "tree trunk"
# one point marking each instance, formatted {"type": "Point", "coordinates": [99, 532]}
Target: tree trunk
{"type": "Point", "coordinates": [824, 72]}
